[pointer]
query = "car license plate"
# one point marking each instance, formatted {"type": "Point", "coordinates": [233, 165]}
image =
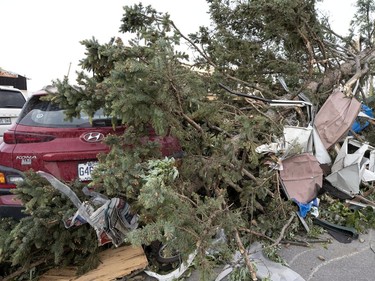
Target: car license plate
{"type": "Point", "coordinates": [5, 121]}
{"type": "Point", "coordinates": [85, 170]}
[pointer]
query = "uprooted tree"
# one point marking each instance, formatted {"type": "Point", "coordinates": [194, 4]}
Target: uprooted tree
{"type": "Point", "coordinates": [222, 182]}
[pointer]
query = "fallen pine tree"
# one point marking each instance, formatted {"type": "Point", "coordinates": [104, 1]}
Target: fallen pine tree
{"type": "Point", "coordinates": [221, 182]}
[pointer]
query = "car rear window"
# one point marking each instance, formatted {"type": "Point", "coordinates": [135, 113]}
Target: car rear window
{"type": "Point", "coordinates": [11, 99]}
{"type": "Point", "coordinates": [41, 113]}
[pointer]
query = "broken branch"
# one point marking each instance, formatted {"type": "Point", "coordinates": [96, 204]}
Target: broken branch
{"type": "Point", "coordinates": [256, 233]}
{"type": "Point", "coordinates": [243, 252]}
{"type": "Point", "coordinates": [282, 233]}
{"type": "Point", "coordinates": [23, 270]}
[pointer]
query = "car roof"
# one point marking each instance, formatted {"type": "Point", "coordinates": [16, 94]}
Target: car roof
{"type": "Point", "coordinates": [12, 89]}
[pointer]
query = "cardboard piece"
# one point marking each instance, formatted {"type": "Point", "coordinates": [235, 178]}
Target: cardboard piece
{"type": "Point", "coordinates": [115, 263]}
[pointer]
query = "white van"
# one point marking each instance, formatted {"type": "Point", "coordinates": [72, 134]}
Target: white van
{"type": "Point", "coordinates": [11, 103]}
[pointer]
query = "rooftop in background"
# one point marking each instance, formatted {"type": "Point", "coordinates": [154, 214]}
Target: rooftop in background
{"type": "Point", "coordinates": [9, 78]}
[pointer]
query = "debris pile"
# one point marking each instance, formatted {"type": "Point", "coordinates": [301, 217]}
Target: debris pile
{"type": "Point", "coordinates": [325, 155]}
{"type": "Point", "coordinates": [305, 165]}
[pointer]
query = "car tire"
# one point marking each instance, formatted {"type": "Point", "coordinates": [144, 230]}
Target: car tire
{"type": "Point", "coordinates": [161, 256]}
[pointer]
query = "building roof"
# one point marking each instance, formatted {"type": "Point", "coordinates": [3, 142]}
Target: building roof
{"type": "Point", "coordinates": [6, 73]}
{"type": "Point", "coordinates": [9, 78]}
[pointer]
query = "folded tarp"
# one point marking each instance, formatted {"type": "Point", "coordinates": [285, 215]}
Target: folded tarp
{"type": "Point", "coordinates": [365, 113]}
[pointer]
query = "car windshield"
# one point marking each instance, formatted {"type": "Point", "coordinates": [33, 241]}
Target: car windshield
{"type": "Point", "coordinates": [41, 113]}
{"type": "Point", "coordinates": [11, 99]}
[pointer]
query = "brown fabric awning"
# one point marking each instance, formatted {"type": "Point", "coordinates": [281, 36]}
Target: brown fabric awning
{"type": "Point", "coordinates": [335, 117]}
{"type": "Point", "coordinates": [301, 177]}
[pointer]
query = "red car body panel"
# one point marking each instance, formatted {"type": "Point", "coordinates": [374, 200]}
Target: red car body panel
{"type": "Point", "coordinates": [59, 150]}
{"type": "Point", "coordinates": [60, 156]}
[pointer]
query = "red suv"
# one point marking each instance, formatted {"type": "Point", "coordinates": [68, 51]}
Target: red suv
{"type": "Point", "coordinates": [43, 139]}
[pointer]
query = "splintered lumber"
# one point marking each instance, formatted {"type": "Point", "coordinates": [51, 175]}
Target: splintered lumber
{"type": "Point", "coordinates": [115, 263]}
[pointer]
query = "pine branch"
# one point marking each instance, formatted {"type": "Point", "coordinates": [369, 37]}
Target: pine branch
{"type": "Point", "coordinates": [210, 62]}
{"type": "Point", "coordinates": [187, 118]}
{"type": "Point", "coordinates": [243, 252]}
{"type": "Point", "coordinates": [282, 233]}
{"type": "Point", "coordinates": [194, 45]}
{"type": "Point", "coordinates": [255, 233]}
{"type": "Point", "coordinates": [251, 102]}
{"type": "Point", "coordinates": [23, 270]}
{"type": "Point", "coordinates": [192, 122]}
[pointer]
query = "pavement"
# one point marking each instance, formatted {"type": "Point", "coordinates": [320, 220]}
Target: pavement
{"type": "Point", "coordinates": [333, 261]}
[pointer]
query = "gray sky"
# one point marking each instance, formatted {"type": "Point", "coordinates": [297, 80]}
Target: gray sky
{"type": "Point", "coordinates": [40, 38]}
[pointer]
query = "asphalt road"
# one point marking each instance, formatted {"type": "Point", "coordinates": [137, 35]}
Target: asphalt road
{"type": "Point", "coordinates": [319, 262]}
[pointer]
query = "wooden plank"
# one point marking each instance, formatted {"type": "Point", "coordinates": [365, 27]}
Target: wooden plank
{"type": "Point", "coordinates": [59, 274]}
{"type": "Point", "coordinates": [115, 263]}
